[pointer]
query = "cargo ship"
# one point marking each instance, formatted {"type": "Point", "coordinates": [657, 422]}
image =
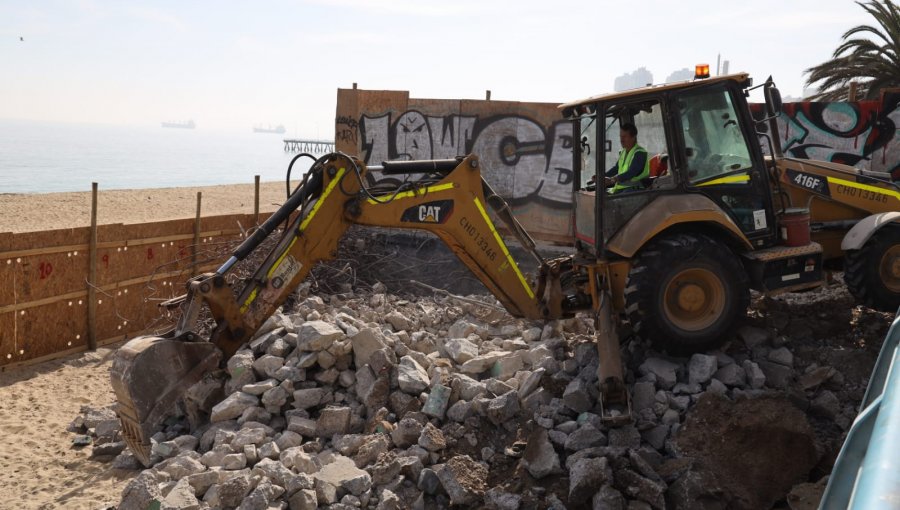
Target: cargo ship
{"type": "Point", "coordinates": [278, 130]}
{"type": "Point", "coordinates": [189, 124]}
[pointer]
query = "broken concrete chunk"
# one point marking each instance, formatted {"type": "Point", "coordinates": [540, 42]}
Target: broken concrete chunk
{"type": "Point", "coordinates": [540, 458]}
{"type": "Point", "coordinates": [782, 356]}
{"type": "Point", "coordinates": [303, 500]}
{"type": "Point", "coordinates": [701, 368]}
{"type": "Point", "coordinates": [342, 472]}
{"type": "Point", "coordinates": [231, 492]}
{"type": "Point", "coordinates": [333, 420]}
{"type": "Point", "coordinates": [411, 376]}
{"type": "Point", "coordinates": [483, 362]}
{"type": "Point", "coordinates": [275, 398]}
{"type": "Point", "coordinates": [317, 335]}
{"type": "Point", "coordinates": [586, 477]}
{"type": "Point", "coordinates": [303, 426]}
{"type": "Point", "coordinates": [755, 376]}
{"type": "Point", "coordinates": [464, 480]}
{"type": "Point", "coordinates": [407, 432]}
{"type": "Point", "coordinates": [460, 350]}
{"type": "Point", "coordinates": [777, 375]}
{"type": "Point", "coordinates": [182, 466]}
{"type": "Point", "coordinates": [531, 334]}
{"type": "Point", "coordinates": [436, 403]}
{"type": "Point", "coordinates": [258, 388]}
{"type": "Point", "coordinates": [397, 320]}
{"type": "Point", "coordinates": [274, 470]}
{"type": "Point", "coordinates": [431, 438]}
{"type": "Point", "coordinates": [267, 365]}
{"type": "Point", "coordinates": [731, 375]}
{"type": "Point", "coordinates": [309, 397]}
{"type": "Point", "coordinates": [503, 408]}
{"type": "Point", "coordinates": [664, 370]}
{"type": "Point", "coordinates": [576, 396]}
{"type": "Point", "coordinates": [365, 343]}
{"type": "Point", "coordinates": [233, 406]}
{"type": "Point", "coordinates": [587, 436]}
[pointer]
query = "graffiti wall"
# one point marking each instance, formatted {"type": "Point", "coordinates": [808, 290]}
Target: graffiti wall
{"type": "Point", "coordinates": [525, 148]}
{"type": "Point", "coordinates": [861, 134]}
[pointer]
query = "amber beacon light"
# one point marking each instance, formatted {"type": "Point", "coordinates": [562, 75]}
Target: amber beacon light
{"type": "Point", "coordinates": [701, 71]}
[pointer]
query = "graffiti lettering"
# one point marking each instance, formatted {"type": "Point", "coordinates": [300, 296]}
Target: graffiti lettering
{"type": "Point", "coordinates": [521, 159]}
{"type": "Point", "coordinates": [346, 121]}
{"type": "Point", "coordinates": [345, 135]}
{"type": "Point", "coordinates": [345, 129]}
{"type": "Point", "coordinates": [860, 134]}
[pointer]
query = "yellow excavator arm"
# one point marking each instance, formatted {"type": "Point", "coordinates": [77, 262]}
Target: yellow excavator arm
{"type": "Point", "coordinates": [150, 374]}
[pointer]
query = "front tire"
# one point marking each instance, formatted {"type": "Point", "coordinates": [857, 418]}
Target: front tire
{"type": "Point", "coordinates": [872, 273]}
{"type": "Point", "coordinates": [685, 292]}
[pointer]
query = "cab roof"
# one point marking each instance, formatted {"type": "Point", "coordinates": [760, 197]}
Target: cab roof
{"type": "Point", "coordinates": [742, 79]}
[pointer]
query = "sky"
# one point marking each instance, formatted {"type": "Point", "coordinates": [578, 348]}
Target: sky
{"type": "Point", "coordinates": [231, 65]}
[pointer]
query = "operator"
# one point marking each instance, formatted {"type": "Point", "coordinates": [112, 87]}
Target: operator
{"type": "Point", "coordinates": [633, 164]}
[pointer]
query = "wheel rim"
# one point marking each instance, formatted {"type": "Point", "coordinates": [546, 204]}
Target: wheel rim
{"type": "Point", "coordinates": [694, 299]}
{"type": "Point", "coordinates": [889, 268]}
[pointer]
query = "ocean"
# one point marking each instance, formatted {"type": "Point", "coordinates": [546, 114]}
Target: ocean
{"type": "Point", "coordinates": [45, 157]}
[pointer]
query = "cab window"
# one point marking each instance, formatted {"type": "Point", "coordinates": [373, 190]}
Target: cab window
{"type": "Point", "coordinates": [714, 143]}
{"type": "Point", "coordinates": [646, 116]}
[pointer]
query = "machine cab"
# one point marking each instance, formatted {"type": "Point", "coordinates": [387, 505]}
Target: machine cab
{"type": "Point", "coordinates": [696, 138]}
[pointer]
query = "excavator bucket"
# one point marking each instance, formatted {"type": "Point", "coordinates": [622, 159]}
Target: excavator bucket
{"type": "Point", "coordinates": [150, 375]}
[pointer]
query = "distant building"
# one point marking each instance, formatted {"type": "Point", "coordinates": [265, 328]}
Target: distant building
{"type": "Point", "coordinates": [640, 77]}
{"type": "Point", "coordinates": [809, 91]}
{"type": "Point", "coordinates": [680, 75]}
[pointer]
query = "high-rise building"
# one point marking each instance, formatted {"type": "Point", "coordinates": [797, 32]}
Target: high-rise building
{"type": "Point", "coordinates": [640, 77]}
{"type": "Point", "coordinates": [680, 75]}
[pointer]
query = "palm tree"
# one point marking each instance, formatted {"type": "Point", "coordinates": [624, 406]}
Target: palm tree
{"type": "Point", "coordinates": [873, 62]}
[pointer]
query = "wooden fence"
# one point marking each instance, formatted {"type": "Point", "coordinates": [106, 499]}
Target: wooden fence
{"type": "Point", "coordinates": [47, 293]}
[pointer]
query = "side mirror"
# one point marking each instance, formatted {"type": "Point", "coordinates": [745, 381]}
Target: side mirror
{"type": "Point", "coordinates": [773, 100]}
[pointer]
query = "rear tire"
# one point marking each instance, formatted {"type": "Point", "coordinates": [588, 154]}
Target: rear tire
{"type": "Point", "coordinates": [685, 292]}
{"type": "Point", "coordinates": [872, 273]}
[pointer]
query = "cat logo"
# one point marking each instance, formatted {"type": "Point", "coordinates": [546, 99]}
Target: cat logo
{"type": "Point", "coordinates": [431, 212]}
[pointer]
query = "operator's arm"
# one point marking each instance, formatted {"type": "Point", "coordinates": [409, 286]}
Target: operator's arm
{"type": "Point", "coordinates": [637, 166]}
{"type": "Point", "coordinates": [613, 171]}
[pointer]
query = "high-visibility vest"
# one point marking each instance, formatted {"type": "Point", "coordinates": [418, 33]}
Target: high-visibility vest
{"type": "Point", "coordinates": [624, 164]}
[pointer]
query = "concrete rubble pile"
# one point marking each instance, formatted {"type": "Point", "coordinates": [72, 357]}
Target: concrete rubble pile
{"type": "Point", "coordinates": [373, 401]}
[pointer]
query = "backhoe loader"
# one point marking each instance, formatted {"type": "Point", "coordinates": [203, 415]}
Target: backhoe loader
{"type": "Point", "coordinates": [675, 258]}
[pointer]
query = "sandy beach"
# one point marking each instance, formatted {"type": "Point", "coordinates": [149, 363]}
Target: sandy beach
{"type": "Point", "coordinates": [36, 212]}
{"type": "Point", "coordinates": [39, 467]}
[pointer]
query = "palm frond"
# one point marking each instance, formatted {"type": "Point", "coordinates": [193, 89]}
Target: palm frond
{"type": "Point", "coordinates": [868, 55]}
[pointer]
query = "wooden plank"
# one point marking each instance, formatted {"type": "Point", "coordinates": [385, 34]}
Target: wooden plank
{"type": "Point", "coordinates": [68, 352]}
{"type": "Point", "coordinates": [84, 293]}
{"type": "Point", "coordinates": [113, 244]}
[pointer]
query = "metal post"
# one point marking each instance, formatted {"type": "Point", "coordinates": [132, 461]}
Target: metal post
{"type": "Point", "coordinates": [487, 95]}
{"type": "Point", "coordinates": [92, 273]}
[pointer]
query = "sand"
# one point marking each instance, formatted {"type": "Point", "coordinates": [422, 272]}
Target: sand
{"type": "Point", "coordinates": [39, 467]}
{"type": "Point", "coordinates": [36, 212]}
